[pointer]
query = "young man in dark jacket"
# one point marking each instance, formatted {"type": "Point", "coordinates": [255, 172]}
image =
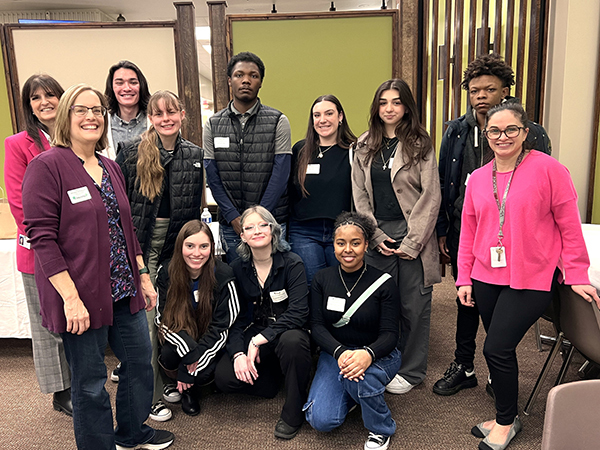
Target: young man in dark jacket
{"type": "Point", "coordinates": [464, 148]}
{"type": "Point", "coordinates": [247, 151]}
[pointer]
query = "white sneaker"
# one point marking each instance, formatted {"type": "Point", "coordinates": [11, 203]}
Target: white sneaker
{"type": "Point", "coordinates": [399, 385]}
{"type": "Point", "coordinates": [114, 375]}
{"type": "Point", "coordinates": [171, 394]}
{"type": "Point", "coordinates": [159, 412]}
{"type": "Point", "coordinates": [377, 442]}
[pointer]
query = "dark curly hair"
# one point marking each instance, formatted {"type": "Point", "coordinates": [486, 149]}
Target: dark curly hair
{"type": "Point", "coordinates": [491, 64]}
{"type": "Point", "coordinates": [246, 57]}
{"type": "Point", "coordinates": [363, 222]}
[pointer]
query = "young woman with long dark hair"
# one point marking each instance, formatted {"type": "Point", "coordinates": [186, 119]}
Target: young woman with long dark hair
{"type": "Point", "coordinates": [395, 181]}
{"type": "Point", "coordinates": [197, 303]}
{"type": "Point", "coordinates": [320, 185]}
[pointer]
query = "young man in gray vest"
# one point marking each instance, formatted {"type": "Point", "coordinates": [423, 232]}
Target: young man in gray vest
{"type": "Point", "coordinates": [247, 151]}
{"type": "Point", "coordinates": [464, 148]}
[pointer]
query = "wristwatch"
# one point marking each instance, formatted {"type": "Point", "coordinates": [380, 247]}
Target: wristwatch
{"type": "Point", "coordinates": [144, 270]}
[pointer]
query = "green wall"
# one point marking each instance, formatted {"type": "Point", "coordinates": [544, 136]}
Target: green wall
{"type": "Point", "coordinates": [5, 120]}
{"type": "Point", "coordinates": [305, 58]}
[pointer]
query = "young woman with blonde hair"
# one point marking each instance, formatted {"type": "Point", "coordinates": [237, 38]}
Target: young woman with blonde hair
{"type": "Point", "coordinates": [164, 179]}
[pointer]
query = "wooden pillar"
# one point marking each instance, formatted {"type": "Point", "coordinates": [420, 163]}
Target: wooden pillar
{"type": "Point", "coordinates": [219, 56]}
{"type": "Point", "coordinates": [188, 75]}
{"type": "Point", "coordinates": [409, 47]}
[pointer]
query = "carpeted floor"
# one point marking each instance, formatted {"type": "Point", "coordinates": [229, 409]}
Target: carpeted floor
{"type": "Point", "coordinates": [425, 420]}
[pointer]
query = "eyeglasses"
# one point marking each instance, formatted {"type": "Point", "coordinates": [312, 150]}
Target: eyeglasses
{"type": "Point", "coordinates": [261, 227]}
{"type": "Point", "coordinates": [510, 132]}
{"type": "Point", "coordinates": [80, 110]}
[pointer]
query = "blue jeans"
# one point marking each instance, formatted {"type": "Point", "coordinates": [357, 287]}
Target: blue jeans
{"type": "Point", "coordinates": [312, 240]}
{"type": "Point", "coordinates": [92, 414]}
{"type": "Point", "coordinates": [230, 240]}
{"type": "Point", "coordinates": [331, 396]}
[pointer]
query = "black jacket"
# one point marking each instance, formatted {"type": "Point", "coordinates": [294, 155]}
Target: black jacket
{"type": "Point", "coordinates": [225, 309]}
{"type": "Point", "coordinates": [246, 166]}
{"type": "Point", "coordinates": [185, 176]}
{"type": "Point", "coordinates": [451, 161]}
{"type": "Point", "coordinates": [280, 306]}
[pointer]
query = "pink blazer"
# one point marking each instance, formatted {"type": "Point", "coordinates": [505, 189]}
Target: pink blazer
{"type": "Point", "coordinates": [20, 149]}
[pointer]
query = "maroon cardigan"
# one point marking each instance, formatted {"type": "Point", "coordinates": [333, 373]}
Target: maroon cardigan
{"type": "Point", "coordinates": [74, 236]}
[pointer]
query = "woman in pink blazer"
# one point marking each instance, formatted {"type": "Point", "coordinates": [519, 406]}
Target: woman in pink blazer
{"type": "Point", "coordinates": [40, 97]}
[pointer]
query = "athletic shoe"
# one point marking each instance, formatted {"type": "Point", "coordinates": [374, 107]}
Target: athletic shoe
{"type": "Point", "coordinates": [171, 394]}
{"type": "Point", "coordinates": [398, 386]}
{"type": "Point", "coordinates": [456, 377]}
{"type": "Point", "coordinates": [162, 439]}
{"type": "Point", "coordinates": [377, 442]}
{"type": "Point", "coordinates": [114, 375]}
{"type": "Point", "coordinates": [160, 413]}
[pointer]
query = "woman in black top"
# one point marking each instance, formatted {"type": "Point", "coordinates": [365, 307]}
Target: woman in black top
{"type": "Point", "coordinates": [354, 319]}
{"type": "Point", "coordinates": [268, 337]}
{"type": "Point", "coordinates": [320, 185]}
{"type": "Point", "coordinates": [197, 304]}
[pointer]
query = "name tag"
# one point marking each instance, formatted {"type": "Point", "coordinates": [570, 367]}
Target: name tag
{"type": "Point", "coordinates": [336, 304]}
{"type": "Point", "coordinates": [221, 142]}
{"type": "Point", "coordinates": [313, 169]}
{"type": "Point", "coordinates": [24, 241]}
{"type": "Point", "coordinates": [390, 162]}
{"type": "Point", "coordinates": [278, 296]}
{"type": "Point", "coordinates": [498, 256]}
{"type": "Point", "coordinates": [79, 195]}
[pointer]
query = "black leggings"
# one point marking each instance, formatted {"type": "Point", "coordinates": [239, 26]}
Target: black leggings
{"type": "Point", "coordinates": [507, 314]}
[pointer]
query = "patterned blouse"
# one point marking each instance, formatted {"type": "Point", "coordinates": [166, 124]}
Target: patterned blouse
{"type": "Point", "coordinates": [121, 277]}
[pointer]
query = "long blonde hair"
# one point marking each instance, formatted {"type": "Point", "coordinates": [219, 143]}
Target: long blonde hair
{"type": "Point", "coordinates": [150, 172]}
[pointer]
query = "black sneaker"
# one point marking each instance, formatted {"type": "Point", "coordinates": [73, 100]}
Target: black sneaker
{"type": "Point", "coordinates": [114, 375]}
{"type": "Point", "coordinates": [162, 439]}
{"type": "Point", "coordinates": [285, 431]}
{"type": "Point", "coordinates": [457, 377]}
{"type": "Point", "coordinates": [377, 442]}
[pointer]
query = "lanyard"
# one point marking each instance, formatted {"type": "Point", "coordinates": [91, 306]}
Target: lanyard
{"type": "Point", "coordinates": [502, 207]}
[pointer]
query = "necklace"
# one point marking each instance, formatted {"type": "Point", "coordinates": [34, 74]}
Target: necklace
{"type": "Point", "coordinates": [388, 145]}
{"type": "Point", "coordinates": [322, 152]}
{"type": "Point", "coordinates": [349, 291]}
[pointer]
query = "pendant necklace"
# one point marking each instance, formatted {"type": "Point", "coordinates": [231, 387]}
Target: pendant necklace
{"type": "Point", "coordinates": [349, 291]}
{"type": "Point", "coordinates": [388, 145]}
{"type": "Point", "coordinates": [322, 152]}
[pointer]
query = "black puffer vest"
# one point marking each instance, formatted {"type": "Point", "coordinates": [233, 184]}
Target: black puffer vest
{"type": "Point", "coordinates": [246, 166]}
{"type": "Point", "coordinates": [186, 181]}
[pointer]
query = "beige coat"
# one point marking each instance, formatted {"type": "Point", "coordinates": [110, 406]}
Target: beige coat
{"type": "Point", "coordinates": [418, 192]}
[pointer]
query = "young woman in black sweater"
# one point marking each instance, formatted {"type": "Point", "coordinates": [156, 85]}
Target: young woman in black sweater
{"type": "Point", "coordinates": [354, 320]}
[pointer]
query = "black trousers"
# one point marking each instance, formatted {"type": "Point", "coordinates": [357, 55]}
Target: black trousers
{"type": "Point", "coordinates": [507, 314]}
{"type": "Point", "coordinates": [467, 318]}
{"type": "Point", "coordinates": [287, 357]}
{"type": "Point", "coordinates": [171, 361]}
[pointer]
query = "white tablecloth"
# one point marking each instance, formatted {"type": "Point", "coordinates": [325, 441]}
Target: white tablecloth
{"type": "Point", "coordinates": [591, 234]}
{"type": "Point", "coordinates": [14, 318]}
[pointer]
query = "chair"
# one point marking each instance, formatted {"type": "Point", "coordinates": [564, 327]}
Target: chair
{"type": "Point", "coordinates": [579, 322]}
{"type": "Point", "coordinates": [572, 417]}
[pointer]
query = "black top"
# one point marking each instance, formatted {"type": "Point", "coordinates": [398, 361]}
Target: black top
{"type": "Point", "coordinates": [374, 324]}
{"type": "Point", "coordinates": [280, 306]}
{"type": "Point", "coordinates": [330, 190]}
{"type": "Point", "coordinates": [386, 203]}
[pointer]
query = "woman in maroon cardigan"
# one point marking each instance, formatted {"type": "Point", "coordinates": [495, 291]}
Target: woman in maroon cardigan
{"type": "Point", "coordinates": [90, 274]}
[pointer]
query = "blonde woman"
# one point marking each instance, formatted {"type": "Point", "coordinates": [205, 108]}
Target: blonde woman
{"type": "Point", "coordinates": [164, 179]}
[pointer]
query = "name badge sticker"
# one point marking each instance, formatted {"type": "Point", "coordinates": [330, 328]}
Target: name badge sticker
{"type": "Point", "coordinates": [336, 304]}
{"type": "Point", "coordinates": [79, 195]}
{"type": "Point", "coordinates": [278, 296]}
{"type": "Point", "coordinates": [221, 142]}
{"type": "Point", "coordinates": [313, 169]}
{"type": "Point", "coordinates": [24, 241]}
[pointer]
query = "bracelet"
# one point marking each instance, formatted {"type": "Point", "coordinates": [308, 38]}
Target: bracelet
{"type": "Point", "coordinates": [252, 342]}
{"type": "Point", "coordinates": [370, 352]}
{"type": "Point", "coordinates": [144, 270]}
{"type": "Point", "coordinates": [237, 355]}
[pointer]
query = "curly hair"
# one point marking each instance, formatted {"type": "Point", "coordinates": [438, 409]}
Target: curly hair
{"type": "Point", "coordinates": [144, 94]}
{"type": "Point", "coordinates": [491, 64]}
{"type": "Point", "coordinates": [363, 222]}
